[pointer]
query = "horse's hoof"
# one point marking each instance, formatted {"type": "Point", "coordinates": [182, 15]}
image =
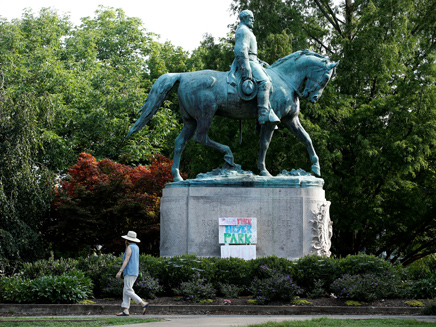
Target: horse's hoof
{"type": "Point", "coordinates": [265, 173]}
{"type": "Point", "coordinates": [177, 177]}
{"type": "Point", "coordinates": [228, 166]}
{"type": "Point", "coordinates": [229, 160]}
{"type": "Point", "coordinates": [316, 170]}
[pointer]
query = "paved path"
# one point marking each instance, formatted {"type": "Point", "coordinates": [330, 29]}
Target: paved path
{"type": "Point", "coordinates": [234, 321]}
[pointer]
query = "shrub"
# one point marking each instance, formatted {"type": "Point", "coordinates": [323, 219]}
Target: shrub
{"type": "Point", "coordinates": [366, 264]}
{"type": "Point", "coordinates": [276, 287]}
{"type": "Point", "coordinates": [148, 286]}
{"type": "Point", "coordinates": [311, 269]}
{"type": "Point", "coordinates": [422, 288]}
{"type": "Point", "coordinates": [273, 262]}
{"type": "Point", "coordinates": [32, 270]}
{"type": "Point", "coordinates": [232, 271]}
{"type": "Point", "coordinates": [230, 290]}
{"type": "Point", "coordinates": [430, 308]}
{"type": "Point", "coordinates": [354, 303]}
{"type": "Point", "coordinates": [318, 290]}
{"type": "Point", "coordinates": [70, 287]}
{"type": "Point", "coordinates": [15, 289]}
{"type": "Point", "coordinates": [196, 289]}
{"type": "Point", "coordinates": [414, 303]}
{"type": "Point", "coordinates": [366, 287]}
{"type": "Point", "coordinates": [110, 195]}
{"type": "Point", "coordinates": [96, 267]}
{"type": "Point", "coordinates": [112, 288]}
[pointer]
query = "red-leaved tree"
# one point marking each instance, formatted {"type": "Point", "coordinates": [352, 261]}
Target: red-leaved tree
{"type": "Point", "coordinates": [100, 201]}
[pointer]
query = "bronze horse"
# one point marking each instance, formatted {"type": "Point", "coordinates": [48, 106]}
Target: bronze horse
{"type": "Point", "coordinates": [204, 94]}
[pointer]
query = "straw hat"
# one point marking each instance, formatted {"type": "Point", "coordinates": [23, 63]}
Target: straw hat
{"type": "Point", "coordinates": [131, 236]}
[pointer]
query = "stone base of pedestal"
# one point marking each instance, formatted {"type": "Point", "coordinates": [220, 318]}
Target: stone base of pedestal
{"type": "Point", "coordinates": [292, 217]}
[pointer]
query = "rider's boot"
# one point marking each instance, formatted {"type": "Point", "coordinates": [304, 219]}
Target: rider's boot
{"type": "Point", "coordinates": [264, 111]}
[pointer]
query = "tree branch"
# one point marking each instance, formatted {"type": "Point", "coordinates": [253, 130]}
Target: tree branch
{"type": "Point", "coordinates": [318, 41]}
{"type": "Point", "coordinates": [333, 15]}
{"type": "Point", "coordinates": [326, 15]}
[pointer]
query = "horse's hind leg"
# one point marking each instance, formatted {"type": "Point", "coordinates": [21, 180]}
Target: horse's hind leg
{"type": "Point", "coordinates": [188, 130]}
{"type": "Point", "coordinates": [295, 127]}
{"type": "Point", "coordinates": [201, 137]}
{"type": "Point", "coordinates": [266, 133]}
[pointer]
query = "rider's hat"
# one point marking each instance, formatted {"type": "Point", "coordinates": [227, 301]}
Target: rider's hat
{"type": "Point", "coordinates": [247, 89]}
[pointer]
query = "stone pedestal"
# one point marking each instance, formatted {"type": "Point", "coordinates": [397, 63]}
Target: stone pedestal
{"type": "Point", "coordinates": [292, 215]}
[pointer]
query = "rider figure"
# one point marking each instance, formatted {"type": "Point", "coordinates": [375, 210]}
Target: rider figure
{"type": "Point", "coordinates": [247, 61]}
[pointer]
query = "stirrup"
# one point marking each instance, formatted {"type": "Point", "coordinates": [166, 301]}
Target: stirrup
{"type": "Point", "coordinates": [269, 117]}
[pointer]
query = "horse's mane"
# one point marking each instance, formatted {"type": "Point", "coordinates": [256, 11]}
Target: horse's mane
{"type": "Point", "coordinates": [296, 55]}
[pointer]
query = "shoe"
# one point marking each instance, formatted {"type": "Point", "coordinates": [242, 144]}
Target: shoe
{"type": "Point", "coordinates": [121, 314]}
{"type": "Point", "coordinates": [144, 308]}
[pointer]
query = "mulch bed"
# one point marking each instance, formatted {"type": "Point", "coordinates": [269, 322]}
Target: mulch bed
{"type": "Point", "coordinates": [318, 302]}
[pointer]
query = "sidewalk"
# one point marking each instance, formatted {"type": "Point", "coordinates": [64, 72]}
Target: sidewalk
{"type": "Point", "coordinates": [233, 321]}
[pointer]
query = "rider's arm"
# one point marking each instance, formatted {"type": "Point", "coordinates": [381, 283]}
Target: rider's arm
{"type": "Point", "coordinates": [242, 46]}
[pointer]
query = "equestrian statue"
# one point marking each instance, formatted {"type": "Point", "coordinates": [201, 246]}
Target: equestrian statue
{"type": "Point", "coordinates": [250, 90]}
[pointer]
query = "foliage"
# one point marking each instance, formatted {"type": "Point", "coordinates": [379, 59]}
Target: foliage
{"type": "Point", "coordinates": [49, 267]}
{"type": "Point", "coordinates": [147, 286]}
{"type": "Point", "coordinates": [366, 287]}
{"type": "Point", "coordinates": [196, 289]}
{"type": "Point", "coordinates": [300, 302]}
{"type": "Point", "coordinates": [422, 267]}
{"type": "Point", "coordinates": [423, 288]}
{"type": "Point", "coordinates": [318, 290]}
{"type": "Point", "coordinates": [275, 287]}
{"type": "Point", "coordinates": [99, 201]}
{"type": "Point", "coordinates": [414, 303]}
{"type": "Point", "coordinates": [353, 303]}
{"type": "Point", "coordinates": [310, 270]}
{"type": "Point", "coordinates": [95, 267]}
{"type": "Point", "coordinates": [374, 127]}
{"type": "Point", "coordinates": [96, 76]}
{"type": "Point", "coordinates": [233, 271]}
{"type": "Point", "coordinates": [70, 287]}
{"type": "Point", "coordinates": [429, 308]}
{"type": "Point", "coordinates": [25, 182]}
{"type": "Point", "coordinates": [230, 290]}
{"type": "Point", "coordinates": [365, 264]}
{"type": "Point", "coordinates": [230, 277]}
{"type": "Point", "coordinates": [113, 288]}
{"type": "Point", "coordinates": [64, 90]}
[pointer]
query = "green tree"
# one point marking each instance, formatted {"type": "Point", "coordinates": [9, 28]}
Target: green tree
{"type": "Point", "coordinates": [64, 90]}
{"type": "Point", "coordinates": [374, 127]}
{"type": "Point", "coordinates": [25, 183]}
{"type": "Point", "coordinates": [97, 76]}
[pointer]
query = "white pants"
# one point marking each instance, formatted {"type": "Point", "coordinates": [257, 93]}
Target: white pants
{"type": "Point", "coordinates": [129, 293]}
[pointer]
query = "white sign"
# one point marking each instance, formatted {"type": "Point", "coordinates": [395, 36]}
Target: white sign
{"type": "Point", "coordinates": [237, 230]}
{"type": "Point", "coordinates": [246, 252]}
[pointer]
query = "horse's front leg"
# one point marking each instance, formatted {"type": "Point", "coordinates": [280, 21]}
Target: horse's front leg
{"type": "Point", "coordinates": [266, 133]}
{"type": "Point", "coordinates": [295, 127]}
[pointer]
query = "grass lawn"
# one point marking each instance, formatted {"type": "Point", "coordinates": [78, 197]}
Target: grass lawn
{"type": "Point", "coordinates": [73, 322]}
{"type": "Point", "coordinates": [325, 322]}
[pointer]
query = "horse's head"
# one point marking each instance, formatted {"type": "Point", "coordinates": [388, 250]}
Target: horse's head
{"type": "Point", "coordinates": [317, 77]}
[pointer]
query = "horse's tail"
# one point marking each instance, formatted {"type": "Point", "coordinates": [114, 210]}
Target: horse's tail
{"type": "Point", "coordinates": [155, 98]}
